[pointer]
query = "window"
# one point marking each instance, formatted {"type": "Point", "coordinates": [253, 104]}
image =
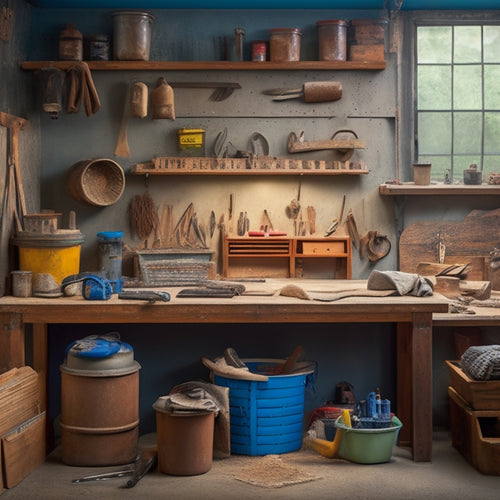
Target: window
{"type": "Point", "coordinates": [458, 99]}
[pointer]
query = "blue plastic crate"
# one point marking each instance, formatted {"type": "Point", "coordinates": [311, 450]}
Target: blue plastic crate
{"type": "Point", "coordinates": [266, 417]}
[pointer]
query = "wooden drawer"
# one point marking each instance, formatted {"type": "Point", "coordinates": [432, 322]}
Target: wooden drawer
{"type": "Point", "coordinates": [323, 247]}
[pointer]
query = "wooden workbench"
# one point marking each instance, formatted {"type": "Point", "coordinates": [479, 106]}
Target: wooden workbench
{"type": "Point", "coordinates": [413, 316]}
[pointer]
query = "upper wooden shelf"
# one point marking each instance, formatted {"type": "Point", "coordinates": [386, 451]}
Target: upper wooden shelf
{"type": "Point", "coordinates": [209, 65]}
{"type": "Point", "coordinates": [411, 189]}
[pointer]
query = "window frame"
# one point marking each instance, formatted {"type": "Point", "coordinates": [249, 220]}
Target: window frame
{"type": "Point", "coordinates": [407, 74]}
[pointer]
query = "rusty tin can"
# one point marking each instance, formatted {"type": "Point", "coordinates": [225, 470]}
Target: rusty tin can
{"type": "Point", "coordinates": [70, 44]}
{"type": "Point", "coordinates": [285, 44]}
{"type": "Point", "coordinates": [259, 51]}
{"type": "Point", "coordinates": [332, 40]}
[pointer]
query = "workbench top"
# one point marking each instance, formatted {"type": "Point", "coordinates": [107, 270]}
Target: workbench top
{"type": "Point", "coordinates": [260, 303]}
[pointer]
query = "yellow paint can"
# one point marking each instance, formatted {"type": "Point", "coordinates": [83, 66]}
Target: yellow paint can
{"type": "Point", "coordinates": [57, 254]}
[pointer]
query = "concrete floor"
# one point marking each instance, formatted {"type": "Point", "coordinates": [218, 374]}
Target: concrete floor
{"type": "Point", "coordinates": [448, 476]}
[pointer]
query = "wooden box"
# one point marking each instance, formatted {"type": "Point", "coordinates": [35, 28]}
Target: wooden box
{"type": "Point", "coordinates": [475, 434]}
{"type": "Point", "coordinates": [23, 449]}
{"type": "Point", "coordinates": [478, 394]}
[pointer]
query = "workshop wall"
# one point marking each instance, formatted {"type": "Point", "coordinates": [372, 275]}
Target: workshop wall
{"type": "Point", "coordinates": [367, 107]}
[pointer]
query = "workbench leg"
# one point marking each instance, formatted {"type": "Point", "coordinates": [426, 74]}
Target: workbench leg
{"type": "Point", "coordinates": [12, 350]}
{"type": "Point", "coordinates": [421, 374]}
{"type": "Point", "coordinates": [404, 385]}
{"type": "Point", "coordinates": [40, 360]}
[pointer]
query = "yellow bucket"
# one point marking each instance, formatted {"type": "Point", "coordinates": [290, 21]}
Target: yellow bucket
{"type": "Point", "coordinates": [57, 254]}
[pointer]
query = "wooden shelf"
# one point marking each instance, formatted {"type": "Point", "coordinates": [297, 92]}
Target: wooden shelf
{"type": "Point", "coordinates": [210, 65]}
{"type": "Point", "coordinates": [410, 189]}
{"type": "Point", "coordinates": [257, 165]}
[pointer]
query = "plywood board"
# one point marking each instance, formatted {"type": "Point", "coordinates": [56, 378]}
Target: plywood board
{"type": "Point", "coordinates": [468, 241]}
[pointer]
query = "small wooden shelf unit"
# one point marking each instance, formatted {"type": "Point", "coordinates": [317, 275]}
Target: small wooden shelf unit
{"type": "Point", "coordinates": [278, 256]}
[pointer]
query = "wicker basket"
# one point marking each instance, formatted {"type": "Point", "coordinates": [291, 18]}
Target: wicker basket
{"type": "Point", "coordinates": [98, 182]}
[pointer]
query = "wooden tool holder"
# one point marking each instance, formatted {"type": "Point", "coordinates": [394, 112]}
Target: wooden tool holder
{"type": "Point", "coordinates": [261, 165]}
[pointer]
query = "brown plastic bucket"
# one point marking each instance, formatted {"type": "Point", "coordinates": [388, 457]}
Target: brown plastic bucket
{"type": "Point", "coordinates": [99, 182]}
{"type": "Point", "coordinates": [185, 442]}
{"type": "Point", "coordinates": [99, 418]}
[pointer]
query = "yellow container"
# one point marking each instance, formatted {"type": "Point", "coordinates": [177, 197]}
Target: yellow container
{"type": "Point", "coordinates": [56, 254]}
{"type": "Point", "coordinates": [191, 141]}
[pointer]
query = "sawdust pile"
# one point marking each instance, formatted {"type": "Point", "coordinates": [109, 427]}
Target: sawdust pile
{"type": "Point", "coordinates": [270, 472]}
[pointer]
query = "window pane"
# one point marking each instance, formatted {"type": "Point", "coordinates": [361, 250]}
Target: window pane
{"type": "Point", "coordinates": [467, 40]}
{"type": "Point", "coordinates": [491, 41]}
{"type": "Point", "coordinates": [434, 133]}
{"type": "Point", "coordinates": [434, 44]}
{"type": "Point", "coordinates": [460, 163]}
{"type": "Point", "coordinates": [491, 165]}
{"type": "Point", "coordinates": [467, 136]}
{"type": "Point", "coordinates": [434, 87]}
{"type": "Point", "coordinates": [492, 133]}
{"type": "Point", "coordinates": [440, 166]}
{"type": "Point", "coordinates": [467, 85]}
{"type": "Point", "coordinates": [492, 87]}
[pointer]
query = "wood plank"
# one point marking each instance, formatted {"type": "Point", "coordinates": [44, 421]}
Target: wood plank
{"type": "Point", "coordinates": [210, 65]}
{"type": "Point", "coordinates": [470, 240]}
{"type": "Point", "coordinates": [404, 386]}
{"type": "Point", "coordinates": [411, 189]}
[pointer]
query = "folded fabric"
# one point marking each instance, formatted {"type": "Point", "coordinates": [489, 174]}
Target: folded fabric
{"type": "Point", "coordinates": [402, 283]}
{"type": "Point", "coordinates": [482, 362]}
{"type": "Point", "coordinates": [194, 399]}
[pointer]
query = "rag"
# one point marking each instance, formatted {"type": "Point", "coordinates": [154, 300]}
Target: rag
{"type": "Point", "coordinates": [402, 283]}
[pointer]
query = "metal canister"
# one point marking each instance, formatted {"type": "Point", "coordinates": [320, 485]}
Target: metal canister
{"type": "Point", "coordinates": [259, 51]}
{"type": "Point", "coordinates": [70, 44]}
{"type": "Point", "coordinates": [98, 47]}
{"type": "Point", "coordinates": [285, 44]}
{"type": "Point", "coordinates": [332, 40]}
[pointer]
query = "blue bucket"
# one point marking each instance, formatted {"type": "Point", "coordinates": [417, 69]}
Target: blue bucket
{"type": "Point", "coordinates": [266, 417]}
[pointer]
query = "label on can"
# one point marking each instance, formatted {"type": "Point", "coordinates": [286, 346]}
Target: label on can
{"type": "Point", "coordinates": [259, 51]}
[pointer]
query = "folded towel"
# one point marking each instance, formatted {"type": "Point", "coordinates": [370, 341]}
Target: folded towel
{"type": "Point", "coordinates": [402, 283]}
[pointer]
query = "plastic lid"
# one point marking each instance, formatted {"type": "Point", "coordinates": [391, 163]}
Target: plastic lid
{"type": "Point", "coordinates": [109, 235]}
{"type": "Point", "coordinates": [190, 131]}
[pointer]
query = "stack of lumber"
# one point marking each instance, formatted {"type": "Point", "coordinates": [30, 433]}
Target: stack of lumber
{"type": "Point", "coordinates": [22, 425]}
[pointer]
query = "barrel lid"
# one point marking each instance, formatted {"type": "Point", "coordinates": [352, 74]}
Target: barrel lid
{"type": "Point", "coordinates": [62, 238]}
{"type": "Point", "coordinates": [100, 356]}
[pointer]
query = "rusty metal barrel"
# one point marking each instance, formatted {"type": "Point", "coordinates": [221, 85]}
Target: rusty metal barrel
{"type": "Point", "coordinates": [99, 407]}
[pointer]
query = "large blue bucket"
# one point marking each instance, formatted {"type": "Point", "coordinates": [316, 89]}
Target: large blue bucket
{"type": "Point", "coordinates": [266, 417]}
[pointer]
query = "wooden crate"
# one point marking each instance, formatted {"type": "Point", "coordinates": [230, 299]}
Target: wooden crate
{"type": "Point", "coordinates": [478, 394]}
{"type": "Point", "coordinates": [475, 434]}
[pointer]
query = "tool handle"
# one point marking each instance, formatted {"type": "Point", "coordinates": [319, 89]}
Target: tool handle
{"type": "Point", "coordinates": [141, 469]}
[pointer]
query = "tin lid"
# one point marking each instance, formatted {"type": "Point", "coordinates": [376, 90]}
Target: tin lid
{"type": "Point", "coordinates": [71, 32]}
{"type": "Point", "coordinates": [134, 13]}
{"type": "Point", "coordinates": [328, 22]}
{"type": "Point", "coordinates": [361, 22]}
{"type": "Point", "coordinates": [285, 31]}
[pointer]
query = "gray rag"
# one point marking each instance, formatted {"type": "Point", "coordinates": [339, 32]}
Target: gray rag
{"type": "Point", "coordinates": [402, 283]}
{"type": "Point", "coordinates": [193, 399]}
{"type": "Point", "coordinates": [482, 362]}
